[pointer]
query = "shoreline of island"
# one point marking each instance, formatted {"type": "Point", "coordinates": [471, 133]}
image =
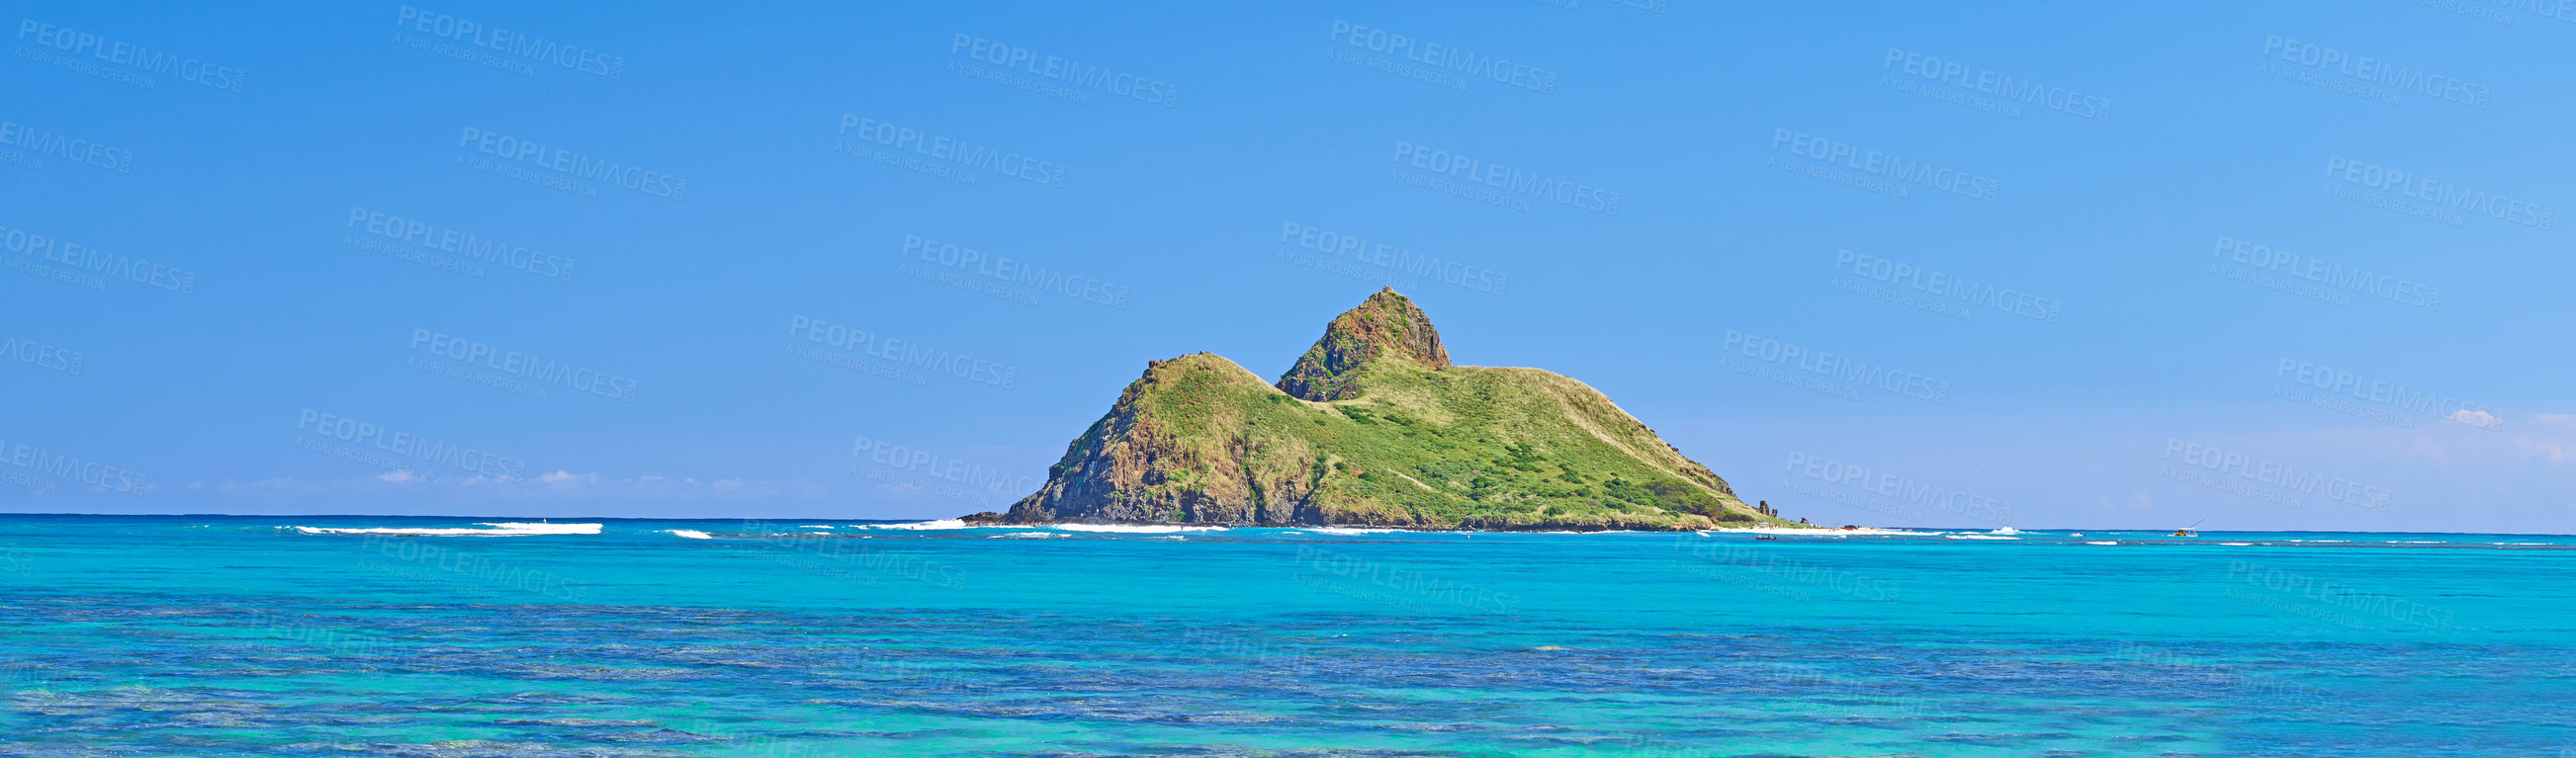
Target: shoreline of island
{"type": "Point", "coordinates": [990, 519]}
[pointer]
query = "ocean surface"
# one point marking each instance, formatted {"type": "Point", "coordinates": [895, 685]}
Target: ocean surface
{"type": "Point", "coordinates": [456, 637]}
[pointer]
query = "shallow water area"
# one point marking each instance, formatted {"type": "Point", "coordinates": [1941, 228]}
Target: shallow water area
{"type": "Point", "coordinates": [185, 636]}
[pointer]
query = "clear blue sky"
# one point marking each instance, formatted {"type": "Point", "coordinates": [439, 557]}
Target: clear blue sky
{"type": "Point", "coordinates": [262, 228]}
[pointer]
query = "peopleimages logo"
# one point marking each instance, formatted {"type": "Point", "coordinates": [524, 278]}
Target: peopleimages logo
{"type": "Point", "coordinates": [519, 44]}
{"type": "Point", "coordinates": [577, 165]}
{"type": "Point", "coordinates": [1836, 367]}
{"type": "Point", "coordinates": [1950, 287]}
{"type": "Point", "coordinates": [1570, 194]}
{"type": "Point", "coordinates": [408, 445]}
{"type": "Point", "coordinates": [1003, 268]}
{"type": "Point", "coordinates": [44, 142]}
{"type": "Point", "coordinates": [91, 259]}
{"type": "Point", "coordinates": [2334, 276]}
{"type": "Point", "coordinates": [92, 473]}
{"type": "Point", "coordinates": [902, 352]}
{"type": "Point", "coordinates": [2250, 469]}
{"type": "Point", "coordinates": [41, 355]}
{"type": "Point", "coordinates": [2290, 584]}
{"type": "Point", "coordinates": [1840, 580]}
{"type": "Point", "coordinates": [1880, 164]}
{"type": "Point", "coordinates": [1904, 489]}
{"type": "Point", "coordinates": [1390, 257]}
{"type": "Point", "coordinates": [1070, 72]}
{"type": "Point", "coordinates": [1398, 579]}
{"type": "Point", "coordinates": [2395, 397]}
{"type": "Point", "coordinates": [459, 243]}
{"type": "Point", "coordinates": [130, 56]}
{"type": "Point", "coordinates": [954, 151]}
{"type": "Point", "coordinates": [2000, 85]}
{"type": "Point", "coordinates": [915, 460]}
{"type": "Point", "coordinates": [1444, 58]}
{"type": "Point", "coordinates": [2439, 193]}
{"type": "Point", "coordinates": [2367, 69]}
{"type": "Point", "coordinates": [523, 365]}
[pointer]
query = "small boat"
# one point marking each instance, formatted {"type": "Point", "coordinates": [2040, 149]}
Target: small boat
{"type": "Point", "coordinates": [2183, 533]}
{"type": "Point", "coordinates": [1764, 537]}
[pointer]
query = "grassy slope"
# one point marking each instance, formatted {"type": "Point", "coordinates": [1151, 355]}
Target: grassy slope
{"type": "Point", "coordinates": [1472, 446]}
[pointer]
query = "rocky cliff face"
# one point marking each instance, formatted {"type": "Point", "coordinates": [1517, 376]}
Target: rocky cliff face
{"type": "Point", "coordinates": [1375, 426]}
{"type": "Point", "coordinates": [1386, 326]}
{"type": "Point", "coordinates": [1139, 464]}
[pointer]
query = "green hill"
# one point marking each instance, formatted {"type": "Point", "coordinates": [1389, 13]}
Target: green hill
{"type": "Point", "coordinates": [1374, 427]}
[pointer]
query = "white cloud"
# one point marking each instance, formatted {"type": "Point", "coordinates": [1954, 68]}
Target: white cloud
{"type": "Point", "coordinates": [2555, 454]}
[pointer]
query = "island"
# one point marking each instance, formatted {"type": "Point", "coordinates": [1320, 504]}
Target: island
{"type": "Point", "coordinates": [1375, 427]}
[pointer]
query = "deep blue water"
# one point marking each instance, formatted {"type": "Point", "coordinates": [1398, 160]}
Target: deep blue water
{"type": "Point", "coordinates": [209, 635]}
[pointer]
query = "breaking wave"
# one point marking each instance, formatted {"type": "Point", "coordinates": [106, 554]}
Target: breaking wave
{"type": "Point", "coordinates": [497, 529]}
{"type": "Point", "coordinates": [1135, 528]}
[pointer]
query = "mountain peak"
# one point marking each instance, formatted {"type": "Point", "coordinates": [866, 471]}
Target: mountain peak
{"type": "Point", "coordinates": [1406, 440]}
{"type": "Point", "coordinates": [1385, 326]}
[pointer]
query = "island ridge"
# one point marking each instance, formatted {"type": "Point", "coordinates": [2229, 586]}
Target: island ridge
{"type": "Point", "coordinates": [1374, 426]}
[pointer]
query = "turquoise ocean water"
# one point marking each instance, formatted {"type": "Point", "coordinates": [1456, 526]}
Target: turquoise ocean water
{"type": "Point", "coordinates": [210, 635]}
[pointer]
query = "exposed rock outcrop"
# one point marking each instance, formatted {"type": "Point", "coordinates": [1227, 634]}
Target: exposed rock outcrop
{"type": "Point", "coordinates": [1374, 426]}
{"type": "Point", "coordinates": [1386, 326]}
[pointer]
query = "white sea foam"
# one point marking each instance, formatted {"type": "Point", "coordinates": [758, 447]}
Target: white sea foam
{"type": "Point", "coordinates": [1134, 528]}
{"type": "Point", "coordinates": [815, 526]}
{"type": "Point", "coordinates": [1028, 535]}
{"type": "Point", "coordinates": [2101, 543]}
{"type": "Point", "coordinates": [498, 529]}
{"type": "Point", "coordinates": [1812, 531]}
{"type": "Point", "coordinates": [950, 523]}
{"type": "Point", "coordinates": [2236, 544]}
{"type": "Point", "coordinates": [1346, 530]}
{"type": "Point", "coordinates": [1977, 537]}
{"type": "Point", "coordinates": [692, 534]}
{"type": "Point", "coordinates": [2005, 530]}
